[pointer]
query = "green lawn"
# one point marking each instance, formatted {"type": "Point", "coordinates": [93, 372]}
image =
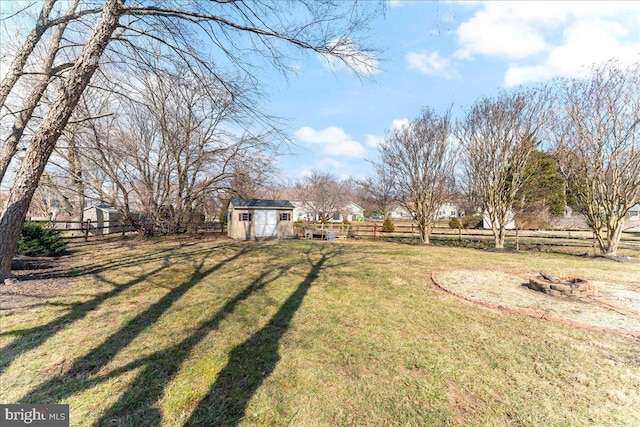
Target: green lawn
{"type": "Point", "coordinates": [307, 333]}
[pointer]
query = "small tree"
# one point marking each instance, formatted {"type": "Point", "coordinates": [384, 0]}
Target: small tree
{"type": "Point", "coordinates": [387, 225]}
{"type": "Point", "coordinates": [455, 223]}
{"type": "Point", "coordinates": [419, 159]}
{"type": "Point", "coordinates": [499, 136]}
{"type": "Point", "coordinates": [598, 145]}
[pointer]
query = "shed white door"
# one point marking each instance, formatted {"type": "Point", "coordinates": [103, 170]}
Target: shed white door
{"type": "Point", "coordinates": [266, 223]}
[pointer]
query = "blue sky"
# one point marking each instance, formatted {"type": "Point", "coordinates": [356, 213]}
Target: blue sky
{"type": "Point", "coordinates": [441, 55]}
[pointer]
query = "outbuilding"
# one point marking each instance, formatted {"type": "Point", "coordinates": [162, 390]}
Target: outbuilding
{"type": "Point", "coordinates": [260, 219]}
{"type": "Point", "coordinates": [103, 219]}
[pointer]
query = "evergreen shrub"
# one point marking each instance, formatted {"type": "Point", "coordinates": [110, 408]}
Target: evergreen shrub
{"type": "Point", "coordinates": [36, 240]}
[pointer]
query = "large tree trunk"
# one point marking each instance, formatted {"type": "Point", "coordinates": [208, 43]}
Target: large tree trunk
{"type": "Point", "coordinates": [614, 233]}
{"type": "Point", "coordinates": [17, 66]}
{"type": "Point", "coordinates": [499, 236]}
{"type": "Point", "coordinates": [11, 143]}
{"type": "Point", "coordinates": [47, 134]}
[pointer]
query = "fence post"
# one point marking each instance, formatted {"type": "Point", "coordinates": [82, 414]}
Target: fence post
{"type": "Point", "coordinates": [517, 241]}
{"type": "Point", "coordinates": [459, 236]}
{"type": "Point", "coordinates": [86, 230]}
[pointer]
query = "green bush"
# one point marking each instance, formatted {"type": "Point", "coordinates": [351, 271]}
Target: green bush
{"type": "Point", "coordinates": [387, 225]}
{"type": "Point", "coordinates": [454, 223]}
{"type": "Point", "coordinates": [36, 240]}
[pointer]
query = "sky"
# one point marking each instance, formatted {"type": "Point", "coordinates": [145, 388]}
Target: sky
{"type": "Point", "coordinates": [437, 54]}
{"type": "Point", "coordinates": [442, 55]}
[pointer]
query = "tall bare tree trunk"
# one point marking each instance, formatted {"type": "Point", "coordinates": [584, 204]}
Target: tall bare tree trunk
{"type": "Point", "coordinates": [17, 66]}
{"type": "Point", "coordinates": [11, 143]}
{"type": "Point", "coordinates": [76, 184]}
{"type": "Point", "coordinates": [47, 134]}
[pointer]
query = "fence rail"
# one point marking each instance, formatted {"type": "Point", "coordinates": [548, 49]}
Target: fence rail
{"type": "Point", "coordinates": [91, 228]}
{"type": "Point", "coordinates": [514, 238]}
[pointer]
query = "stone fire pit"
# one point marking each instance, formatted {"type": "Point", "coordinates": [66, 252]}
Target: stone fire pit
{"type": "Point", "coordinates": [570, 286]}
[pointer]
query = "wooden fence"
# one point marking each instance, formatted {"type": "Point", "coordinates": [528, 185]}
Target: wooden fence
{"type": "Point", "coordinates": [88, 228]}
{"type": "Point", "coordinates": [515, 239]}
{"type": "Point", "coordinates": [406, 232]}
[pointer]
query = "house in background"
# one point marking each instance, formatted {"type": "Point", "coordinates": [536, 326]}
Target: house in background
{"type": "Point", "coordinates": [511, 223]}
{"type": "Point", "coordinates": [447, 210]}
{"type": "Point", "coordinates": [632, 220]}
{"type": "Point", "coordinates": [303, 211]}
{"type": "Point", "coordinates": [400, 212]}
{"type": "Point", "coordinates": [349, 212]}
{"type": "Point", "coordinates": [260, 219]}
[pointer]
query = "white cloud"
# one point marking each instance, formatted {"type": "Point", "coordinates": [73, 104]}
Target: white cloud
{"type": "Point", "coordinates": [587, 42]}
{"type": "Point", "coordinates": [547, 39]}
{"type": "Point", "coordinates": [395, 3]}
{"type": "Point", "coordinates": [329, 162]}
{"type": "Point", "coordinates": [497, 30]}
{"type": "Point", "coordinates": [373, 140]}
{"type": "Point", "coordinates": [334, 141]}
{"type": "Point", "coordinates": [351, 56]}
{"type": "Point", "coordinates": [431, 64]}
{"type": "Point", "coordinates": [399, 123]}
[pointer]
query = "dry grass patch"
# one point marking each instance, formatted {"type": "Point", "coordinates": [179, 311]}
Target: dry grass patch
{"type": "Point", "coordinates": [510, 291]}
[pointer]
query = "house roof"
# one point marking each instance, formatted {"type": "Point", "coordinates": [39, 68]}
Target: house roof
{"type": "Point", "coordinates": [261, 203]}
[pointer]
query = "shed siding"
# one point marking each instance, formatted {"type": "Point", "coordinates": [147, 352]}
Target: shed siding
{"type": "Point", "coordinates": [245, 230]}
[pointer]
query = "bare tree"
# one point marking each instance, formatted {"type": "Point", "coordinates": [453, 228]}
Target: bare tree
{"type": "Point", "coordinates": [181, 139]}
{"type": "Point", "coordinates": [322, 193]}
{"type": "Point", "coordinates": [498, 137]}
{"type": "Point", "coordinates": [376, 192]}
{"type": "Point", "coordinates": [39, 86]}
{"type": "Point", "coordinates": [239, 32]}
{"type": "Point", "coordinates": [599, 147]}
{"type": "Point", "coordinates": [47, 134]}
{"type": "Point", "coordinates": [420, 159]}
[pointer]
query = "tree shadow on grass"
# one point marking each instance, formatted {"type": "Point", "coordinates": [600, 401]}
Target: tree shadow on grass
{"type": "Point", "coordinates": [77, 377]}
{"type": "Point", "coordinates": [30, 338]}
{"type": "Point", "coordinates": [250, 363]}
{"type": "Point", "coordinates": [135, 406]}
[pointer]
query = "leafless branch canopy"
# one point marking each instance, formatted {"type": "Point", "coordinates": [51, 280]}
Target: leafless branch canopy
{"type": "Point", "coordinates": [598, 144]}
{"type": "Point", "coordinates": [419, 158]}
{"type": "Point", "coordinates": [498, 136]}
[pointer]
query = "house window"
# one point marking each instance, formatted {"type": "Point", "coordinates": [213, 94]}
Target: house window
{"type": "Point", "coordinates": [285, 216]}
{"type": "Point", "coordinates": [245, 216]}
{"type": "Point", "coordinates": [634, 215]}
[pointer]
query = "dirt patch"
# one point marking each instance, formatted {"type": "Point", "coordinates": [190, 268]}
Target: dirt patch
{"type": "Point", "coordinates": [464, 404]}
{"type": "Point", "coordinates": [36, 281]}
{"type": "Point", "coordinates": [617, 307]}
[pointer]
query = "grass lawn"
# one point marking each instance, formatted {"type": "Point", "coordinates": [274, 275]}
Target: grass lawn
{"type": "Point", "coordinates": [211, 332]}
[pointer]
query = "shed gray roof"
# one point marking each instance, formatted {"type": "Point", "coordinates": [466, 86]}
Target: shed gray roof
{"type": "Point", "coordinates": [261, 203]}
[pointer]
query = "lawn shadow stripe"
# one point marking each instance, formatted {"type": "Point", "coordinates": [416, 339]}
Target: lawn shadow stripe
{"type": "Point", "coordinates": [74, 379]}
{"type": "Point", "coordinates": [251, 362]}
{"type": "Point", "coordinates": [135, 406]}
